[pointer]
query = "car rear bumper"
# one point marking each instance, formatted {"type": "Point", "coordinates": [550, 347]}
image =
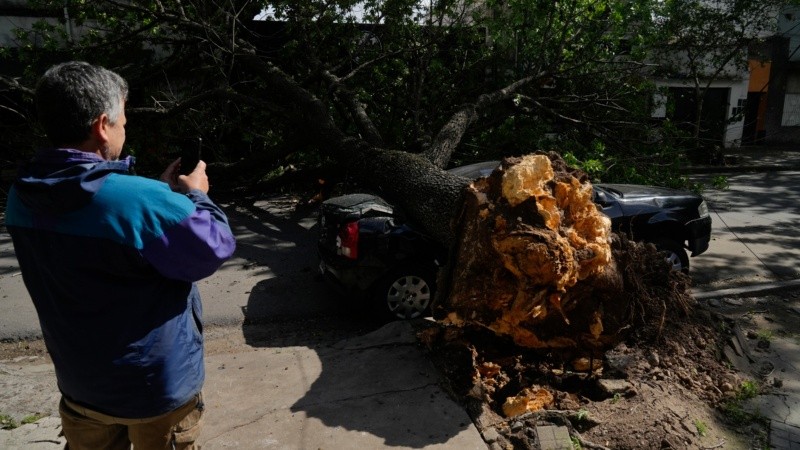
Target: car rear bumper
{"type": "Point", "coordinates": [346, 276]}
{"type": "Point", "coordinates": [699, 235]}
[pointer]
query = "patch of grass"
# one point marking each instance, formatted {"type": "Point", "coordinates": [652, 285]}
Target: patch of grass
{"type": "Point", "coordinates": [576, 443]}
{"type": "Point", "coordinates": [734, 410]}
{"type": "Point", "coordinates": [737, 415]}
{"type": "Point", "coordinates": [720, 182]}
{"type": "Point", "coordinates": [748, 390]}
{"type": "Point", "coordinates": [7, 422]}
{"type": "Point", "coordinates": [702, 428]}
{"type": "Point", "coordinates": [33, 418]}
{"type": "Point", "coordinates": [617, 397]}
{"type": "Point", "coordinates": [764, 335]}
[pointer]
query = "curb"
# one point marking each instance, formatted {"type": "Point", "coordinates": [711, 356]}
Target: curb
{"type": "Point", "coordinates": [741, 169]}
{"type": "Point", "coordinates": [764, 287]}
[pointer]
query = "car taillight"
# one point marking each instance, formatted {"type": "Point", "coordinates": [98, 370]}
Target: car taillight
{"type": "Point", "coordinates": [347, 241]}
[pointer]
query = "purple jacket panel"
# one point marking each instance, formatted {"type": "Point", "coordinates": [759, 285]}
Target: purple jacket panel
{"type": "Point", "coordinates": [195, 247]}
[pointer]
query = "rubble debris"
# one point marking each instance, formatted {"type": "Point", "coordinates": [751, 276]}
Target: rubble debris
{"type": "Point", "coordinates": [530, 399]}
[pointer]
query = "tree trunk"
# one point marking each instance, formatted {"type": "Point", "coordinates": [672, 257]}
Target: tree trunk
{"type": "Point", "coordinates": [428, 195]}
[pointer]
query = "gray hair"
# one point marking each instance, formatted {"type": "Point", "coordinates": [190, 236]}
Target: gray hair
{"type": "Point", "coordinates": [71, 95]}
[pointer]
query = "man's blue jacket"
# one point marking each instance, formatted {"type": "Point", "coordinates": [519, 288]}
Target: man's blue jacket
{"type": "Point", "coordinates": [110, 261]}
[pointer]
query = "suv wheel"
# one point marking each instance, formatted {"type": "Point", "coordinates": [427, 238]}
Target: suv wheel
{"type": "Point", "coordinates": [405, 293]}
{"type": "Point", "coordinates": [676, 255]}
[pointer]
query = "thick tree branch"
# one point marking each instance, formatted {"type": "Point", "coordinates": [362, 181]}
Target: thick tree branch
{"type": "Point", "coordinates": [13, 84]}
{"type": "Point", "coordinates": [356, 109]}
{"type": "Point", "coordinates": [453, 131]}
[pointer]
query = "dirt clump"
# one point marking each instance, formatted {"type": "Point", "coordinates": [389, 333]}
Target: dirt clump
{"type": "Point", "coordinates": [659, 390]}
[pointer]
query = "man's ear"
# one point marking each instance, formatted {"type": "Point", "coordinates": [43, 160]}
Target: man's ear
{"type": "Point", "coordinates": [100, 128]}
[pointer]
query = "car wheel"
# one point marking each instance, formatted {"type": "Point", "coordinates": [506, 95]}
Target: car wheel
{"type": "Point", "coordinates": [676, 255]}
{"type": "Point", "coordinates": [405, 294]}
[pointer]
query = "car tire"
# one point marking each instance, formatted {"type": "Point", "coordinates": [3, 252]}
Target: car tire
{"type": "Point", "coordinates": [676, 255]}
{"type": "Point", "coordinates": [405, 293]}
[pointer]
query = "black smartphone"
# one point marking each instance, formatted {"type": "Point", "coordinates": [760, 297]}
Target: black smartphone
{"type": "Point", "coordinates": [190, 154]}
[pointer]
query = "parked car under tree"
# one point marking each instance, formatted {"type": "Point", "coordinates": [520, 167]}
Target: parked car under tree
{"type": "Point", "coordinates": [371, 253]}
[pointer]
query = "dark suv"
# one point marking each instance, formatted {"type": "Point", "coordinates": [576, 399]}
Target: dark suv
{"type": "Point", "coordinates": [370, 252]}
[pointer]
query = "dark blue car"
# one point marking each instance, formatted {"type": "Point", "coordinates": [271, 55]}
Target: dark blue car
{"type": "Point", "coordinates": [369, 252]}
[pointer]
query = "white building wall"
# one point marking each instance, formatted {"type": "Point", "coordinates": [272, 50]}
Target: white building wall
{"type": "Point", "coordinates": [737, 95]}
{"type": "Point", "coordinates": [736, 100]}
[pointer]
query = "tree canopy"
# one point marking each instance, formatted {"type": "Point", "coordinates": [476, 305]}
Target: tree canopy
{"type": "Point", "coordinates": [704, 42]}
{"type": "Point", "coordinates": [267, 83]}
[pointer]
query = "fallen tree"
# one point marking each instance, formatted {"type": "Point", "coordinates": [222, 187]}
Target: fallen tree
{"type": "Point", "coordinates": [533, 258]}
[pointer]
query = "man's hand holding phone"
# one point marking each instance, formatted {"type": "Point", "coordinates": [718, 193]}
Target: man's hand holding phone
{"type": "Point", "coordinates": [187, 172]}
{"type": "Point", "coordinates": [190, 156]}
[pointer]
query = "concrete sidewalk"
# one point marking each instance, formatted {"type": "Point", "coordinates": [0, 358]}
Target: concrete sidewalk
{"type": "Point", "coordinates": [373, 391]}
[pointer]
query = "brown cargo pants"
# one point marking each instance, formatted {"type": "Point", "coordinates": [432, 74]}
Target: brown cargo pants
{"type": "Point", "coordinates": [86, 429]}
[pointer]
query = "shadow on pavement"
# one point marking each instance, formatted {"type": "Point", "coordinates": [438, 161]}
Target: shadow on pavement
{"type": "Point", "coordinates": [754, 233]}
{"type": "Point", "coordinates": [321, 374]}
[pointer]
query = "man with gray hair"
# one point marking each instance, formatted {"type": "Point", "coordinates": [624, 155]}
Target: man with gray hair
{"type": "Point", "coordinates": [110, 260]}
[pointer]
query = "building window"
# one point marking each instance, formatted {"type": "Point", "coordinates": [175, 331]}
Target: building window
{"type": "Point", "coordinates": [737, 112]}
{"type": "Point", "coordinates": [791, 111]}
